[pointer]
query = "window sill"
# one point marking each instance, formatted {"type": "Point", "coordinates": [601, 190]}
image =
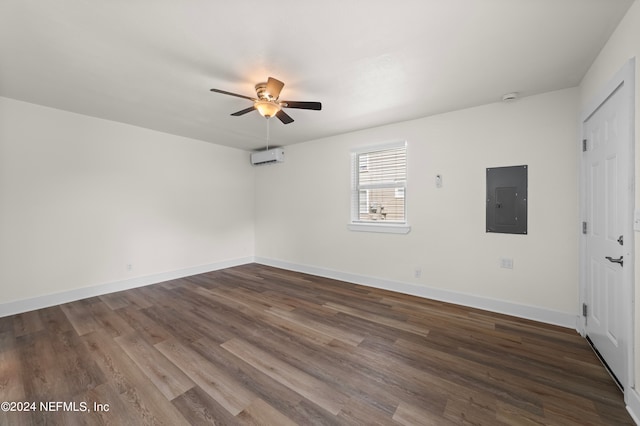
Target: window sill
{"type": "Point", "coordinates": [387, 228]}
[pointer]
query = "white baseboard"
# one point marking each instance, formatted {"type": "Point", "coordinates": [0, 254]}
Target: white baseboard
{"type": "Point", "coordinates": [632, 399]}
{"type": "Point", "coordinates": [563, 319]}
{"type": "Point", "coordinates": [523, 311]}
{"type": "Point", "coordinates": [44, 301]}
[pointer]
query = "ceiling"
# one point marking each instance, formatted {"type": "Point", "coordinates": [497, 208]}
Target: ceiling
{"type": "Point", "coordinates": [152, 63]}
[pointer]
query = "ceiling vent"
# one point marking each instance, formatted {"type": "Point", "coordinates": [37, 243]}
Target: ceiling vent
{"type": "Point", "coordinates": [269, 156]}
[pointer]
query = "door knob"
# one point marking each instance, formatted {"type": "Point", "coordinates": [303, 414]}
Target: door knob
{"type": "Point", "coordinates": [618, 260]}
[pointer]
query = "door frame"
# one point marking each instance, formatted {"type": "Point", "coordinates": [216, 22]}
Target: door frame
{"type": "Point", "coordinates": [625, 77]}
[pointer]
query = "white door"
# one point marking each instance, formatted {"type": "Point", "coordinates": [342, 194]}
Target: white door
{"type": "Point", "coordinates": [608, 191]}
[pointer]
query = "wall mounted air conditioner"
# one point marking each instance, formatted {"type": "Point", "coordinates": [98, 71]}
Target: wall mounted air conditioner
{"type": "Point", "coordinates": [269, 156]}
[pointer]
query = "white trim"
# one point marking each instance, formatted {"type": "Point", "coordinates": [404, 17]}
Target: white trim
{"type": "Point", "coordinates": [45, 301]}
{"type": "Point", "coordinates": [632, 399]}
{"type": "Point", "coordinates": [379, 147]}
{"type": "Point", "coordinates": [563, 319]}
{"type": "Point", "coordinates": [625, 76]}
{"type": "Point", "coordinates": [387, 228]}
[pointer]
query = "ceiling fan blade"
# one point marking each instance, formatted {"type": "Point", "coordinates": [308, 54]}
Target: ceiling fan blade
{"type": "Point", "coordinates": [274, 87]}
{"type": "Point", "coordinates": [284, 117]}
{"type": "Point", "coordinates": [224, 92]}
{"type": "Point", "coordinates": [316, 106]}
{"type": "Point", "coordinates": [243, 112]}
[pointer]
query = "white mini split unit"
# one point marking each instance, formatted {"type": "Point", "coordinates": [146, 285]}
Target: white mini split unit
{"type": "Point", "coordinates": [269, 156]}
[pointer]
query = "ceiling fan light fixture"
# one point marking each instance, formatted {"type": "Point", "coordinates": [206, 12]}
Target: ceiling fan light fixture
{"type": "Point", "coordinates": [267, 108]}
{"type": "Point", "coordinates": [267, 103]}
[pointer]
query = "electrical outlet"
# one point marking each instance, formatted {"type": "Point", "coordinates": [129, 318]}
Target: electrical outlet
{"type": "Point", "coordinates": [506, 263]}
{"type": "Point", "coordinates": [417, 273]}
{"type": "Point", "coordinates": [129, 267]}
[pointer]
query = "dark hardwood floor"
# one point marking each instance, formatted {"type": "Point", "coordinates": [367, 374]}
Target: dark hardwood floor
{"type": "Point", "coordinates": [259, 345]}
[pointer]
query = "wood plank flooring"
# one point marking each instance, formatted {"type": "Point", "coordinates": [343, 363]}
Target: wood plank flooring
{"type": "Point", "coordinates": [263, 346]}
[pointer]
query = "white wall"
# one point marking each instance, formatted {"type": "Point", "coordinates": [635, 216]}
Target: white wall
{"type": "Point", "coordinates": [80, 198]}
{"type": "Point", "coordinates": [302, 206]}
{"type": "Point", "coordinates": [83, 197]}
{"type": "Point", "coordinates": [623, 45]}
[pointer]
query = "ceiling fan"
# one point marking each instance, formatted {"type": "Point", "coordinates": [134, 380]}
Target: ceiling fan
{"type": "Point", "coordinates": [267, 103]}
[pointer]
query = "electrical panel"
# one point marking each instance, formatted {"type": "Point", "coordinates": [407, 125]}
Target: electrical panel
{"type": "Point", "coordinates": [507, 200]}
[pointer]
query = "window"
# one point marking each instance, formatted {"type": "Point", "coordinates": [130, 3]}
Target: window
{"type": "Point", "coordinates": [379, 177]}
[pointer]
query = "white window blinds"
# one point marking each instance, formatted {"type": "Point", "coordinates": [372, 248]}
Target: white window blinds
{"type": "Point", "coordinates": [379, 184]}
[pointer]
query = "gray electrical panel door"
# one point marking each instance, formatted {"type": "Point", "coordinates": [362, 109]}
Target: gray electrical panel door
{"type": "Point", "coordinates": [507, 200]}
